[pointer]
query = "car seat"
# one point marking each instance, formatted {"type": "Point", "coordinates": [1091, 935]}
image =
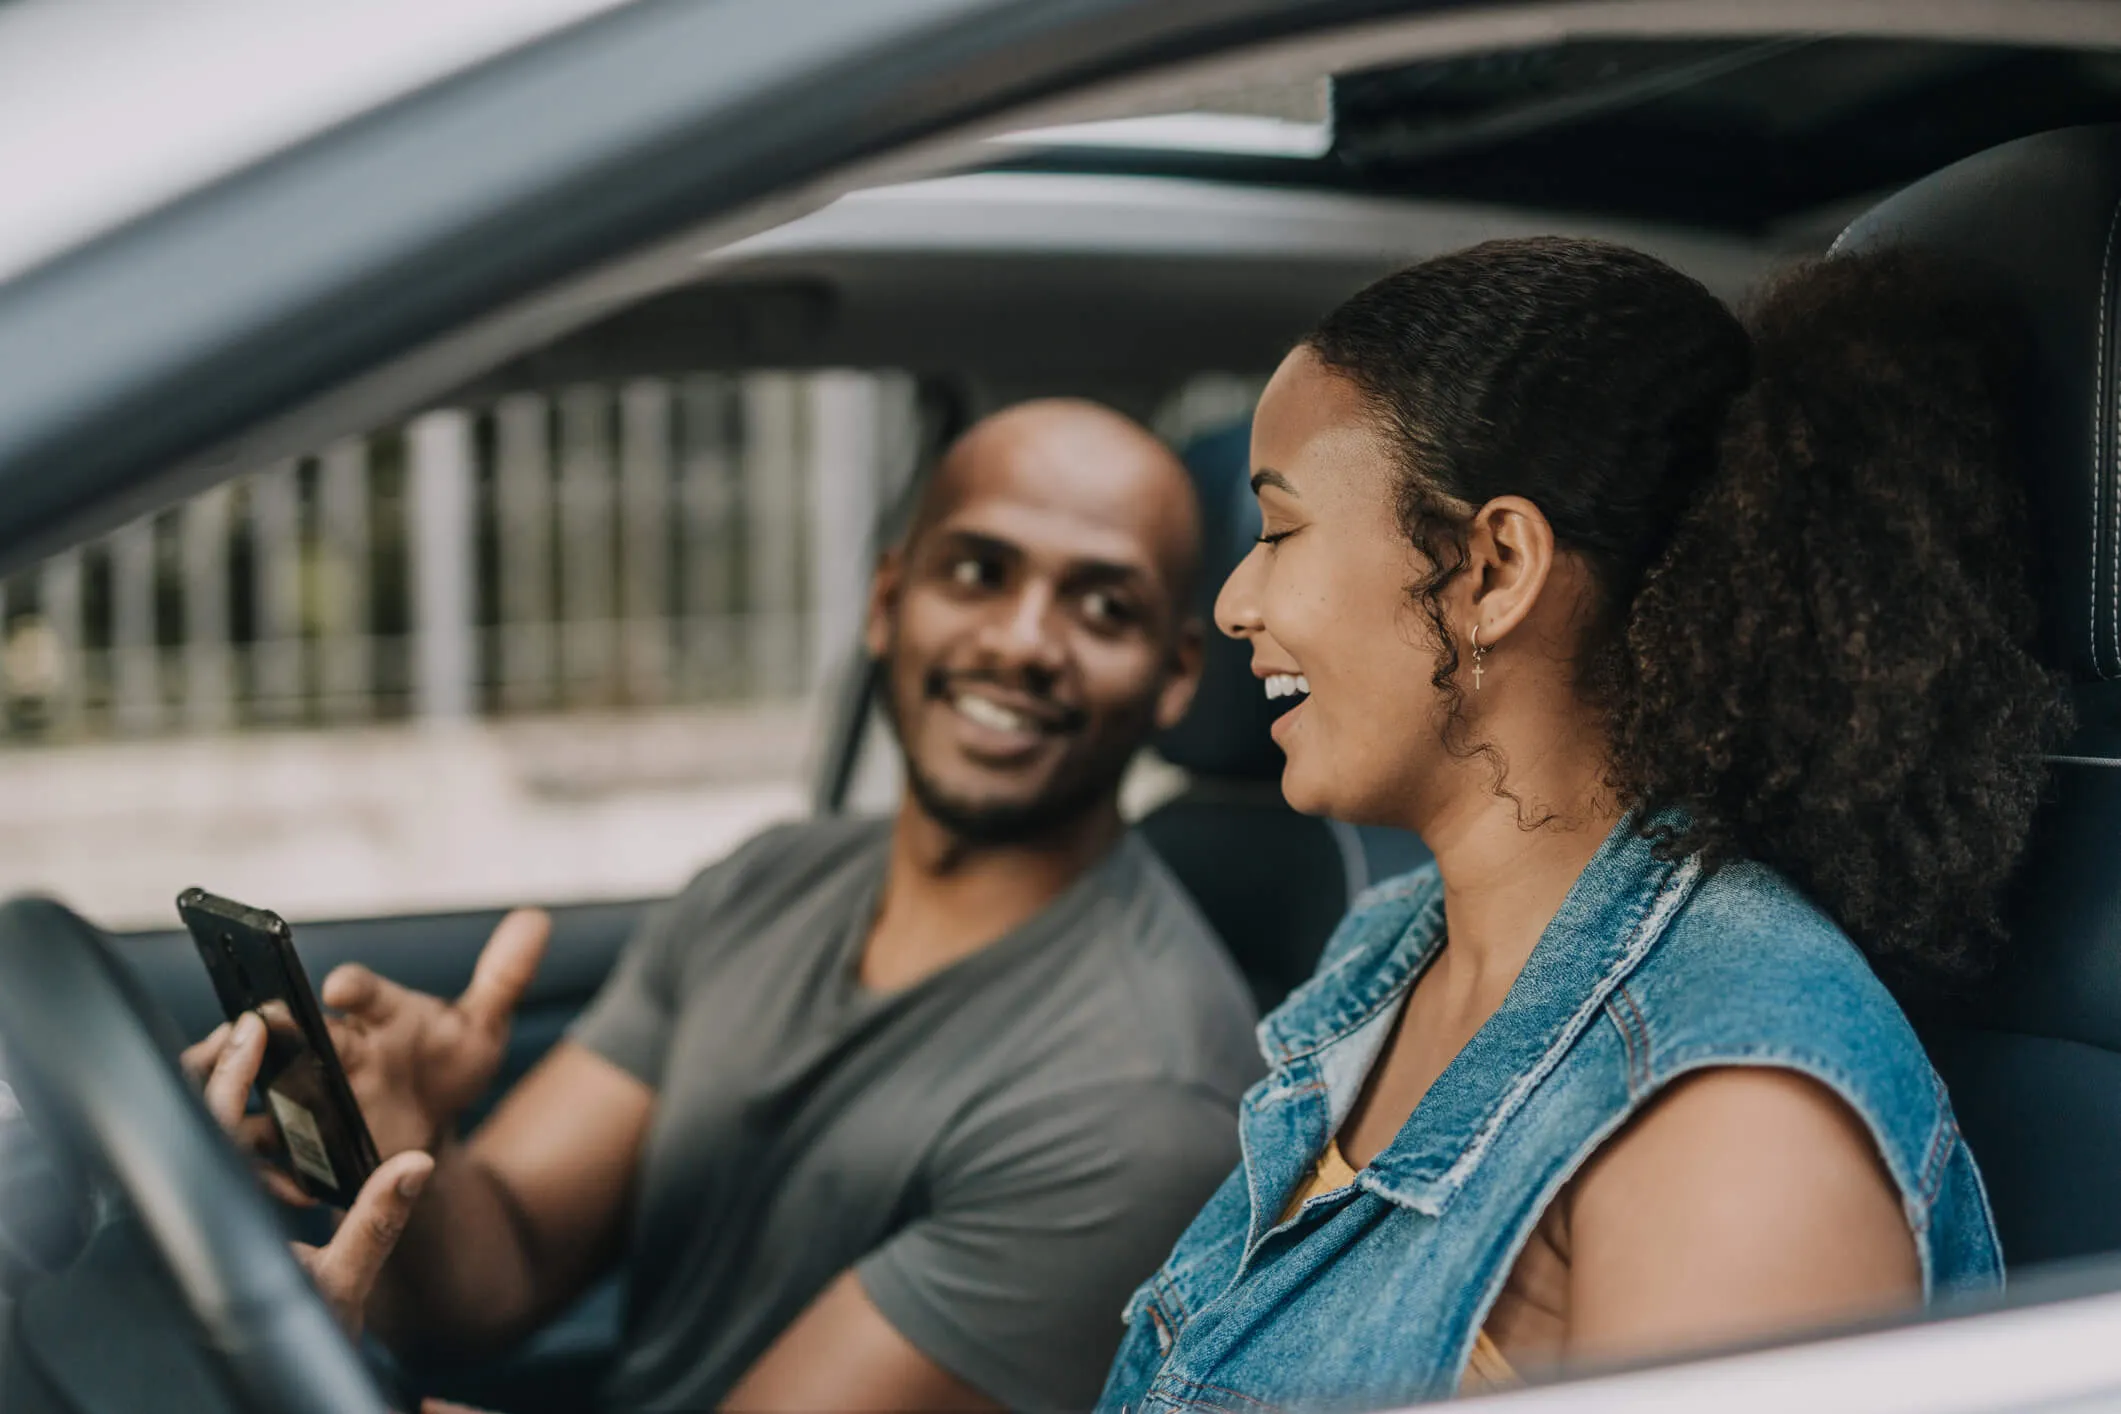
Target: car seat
{"type": "Point", "coordinates": [2033, 1057]}
{"type": "Point", "coordinates": [1272, 882]}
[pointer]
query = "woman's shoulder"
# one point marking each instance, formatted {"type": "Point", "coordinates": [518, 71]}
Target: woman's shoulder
{"type": "Point", "coordinates": [1749, 956]}
{"type": "Point", "coordinates": [1751, 973]}
{"type": "Point", "coordinates": [1750, 966]}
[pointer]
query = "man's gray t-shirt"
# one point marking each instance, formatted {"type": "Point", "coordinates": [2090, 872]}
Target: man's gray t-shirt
{"type": "Point", "coordinates": [1002, 1152]}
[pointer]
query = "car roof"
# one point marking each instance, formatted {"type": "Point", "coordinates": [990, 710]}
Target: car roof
{"type": "Point", "coordinates": [1735, 132]}
{"type": "Point", "coordinates": [384, 259]}
{"type": "Point", "coordinates": [1141, 247]}
{"type": "Point", "coordinates": [1056, 282]}
{"type": "Point", "coordinates": [110, 109]}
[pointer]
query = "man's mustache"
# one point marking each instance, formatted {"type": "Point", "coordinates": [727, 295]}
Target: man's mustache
{"type": "Point", "coordinates": [941, 685]}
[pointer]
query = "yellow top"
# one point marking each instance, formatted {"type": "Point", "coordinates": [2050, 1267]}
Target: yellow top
{"type": "Point", "coordinates": [1487, 1369]}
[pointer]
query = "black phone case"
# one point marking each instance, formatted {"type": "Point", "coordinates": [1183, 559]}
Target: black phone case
{"type": "Point", "coordinates": [250, 955]}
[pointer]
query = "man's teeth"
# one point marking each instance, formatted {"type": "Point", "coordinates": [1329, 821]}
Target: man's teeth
{"type": "Point", "coordinates": [1287, 685]}
{"type": "Point", "coordinates": [992, 714]}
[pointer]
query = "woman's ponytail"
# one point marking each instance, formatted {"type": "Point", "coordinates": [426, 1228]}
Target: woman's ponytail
{"type": "Point", "coordinates": [1813, 624]}
{"type": "Point", "coordinates": [1829, 665]}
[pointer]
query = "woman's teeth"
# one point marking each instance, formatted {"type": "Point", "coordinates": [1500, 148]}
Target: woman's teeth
{"type": "Point", "coordinates": [1287, 685]}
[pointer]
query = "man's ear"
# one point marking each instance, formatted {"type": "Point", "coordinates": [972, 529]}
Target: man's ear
{"type": "Point", "coordinates": [1187, 655]}
{"type": "Point", "coordinates": [884, 590]}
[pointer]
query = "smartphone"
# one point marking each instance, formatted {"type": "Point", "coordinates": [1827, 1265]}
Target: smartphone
{"type": "Point", "coordinates": [250, 954]}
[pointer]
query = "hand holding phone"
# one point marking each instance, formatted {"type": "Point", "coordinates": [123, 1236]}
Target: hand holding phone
{"type": "Point", "coordinates": [225, 1066]}
{"type": "Point", "coordinates": [250, 955]}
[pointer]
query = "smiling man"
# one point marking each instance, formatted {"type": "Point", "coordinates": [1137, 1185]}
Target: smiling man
{"type": "Point", "coordinates": [875, 1114]}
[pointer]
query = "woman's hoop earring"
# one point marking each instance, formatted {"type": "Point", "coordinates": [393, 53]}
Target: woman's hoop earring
{"type": "Point", "coordinates": [1480, 655]}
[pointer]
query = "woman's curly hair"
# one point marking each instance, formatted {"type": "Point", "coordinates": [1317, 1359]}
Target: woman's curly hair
{"type": "Point", "coordinates": [1812, 629]}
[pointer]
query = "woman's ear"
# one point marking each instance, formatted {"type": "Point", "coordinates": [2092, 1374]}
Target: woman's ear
{"type": "Point", "coordinates": [1509, 561]}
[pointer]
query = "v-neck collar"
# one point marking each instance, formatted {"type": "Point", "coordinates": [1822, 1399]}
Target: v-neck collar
{"type": "Point", "coordinates": [1613, 914]}
{"type": "Point", "coordinates": [1058, 916]}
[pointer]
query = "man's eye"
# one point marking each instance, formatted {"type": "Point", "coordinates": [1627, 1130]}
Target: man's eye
{"type": "Point", "coordinates": [1107, 609]}
{"type": "Point", "coordinates": [972, 573]}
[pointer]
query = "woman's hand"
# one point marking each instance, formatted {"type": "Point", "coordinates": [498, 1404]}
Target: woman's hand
{"type": "Point", "coordinates": [225, 1066]}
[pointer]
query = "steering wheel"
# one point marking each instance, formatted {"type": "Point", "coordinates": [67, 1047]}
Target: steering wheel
{"type": "Point", "coordinates": [82, 1052]}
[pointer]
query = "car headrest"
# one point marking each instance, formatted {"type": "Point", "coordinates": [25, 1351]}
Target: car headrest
{"type": "Point", "coordinates": [2038, 222]}
{"type": "Point", "coordinates": [1225, 733]}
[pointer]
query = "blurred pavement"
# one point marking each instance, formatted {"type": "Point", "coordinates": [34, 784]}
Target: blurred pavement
{"type": "Point", "coordinates": [399, 819]}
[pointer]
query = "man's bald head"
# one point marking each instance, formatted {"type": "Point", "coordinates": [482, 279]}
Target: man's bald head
{"type": "Point", "coordinates": [1103, 462]}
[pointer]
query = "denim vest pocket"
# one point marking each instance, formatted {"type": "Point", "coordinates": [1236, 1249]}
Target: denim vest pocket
{"type": "Point", "coordinates": [1161, 1309]}
{"type": "Point", "coordinates": [1141, 1351]}
{"type": "Point", "coordinates": [1175, 1396]}
{"type": "Point", "coordinates": [1157, 1309]}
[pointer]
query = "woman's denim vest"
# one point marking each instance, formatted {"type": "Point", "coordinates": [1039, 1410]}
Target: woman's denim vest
{"type": "Point", "coordinates": [1373, 1296]}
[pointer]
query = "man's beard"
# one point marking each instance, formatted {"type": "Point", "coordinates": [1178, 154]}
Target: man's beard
{"type": "Point", "coordinates": [1008, 822]}
{"type": "Point", "coordinates": [1078, 788]}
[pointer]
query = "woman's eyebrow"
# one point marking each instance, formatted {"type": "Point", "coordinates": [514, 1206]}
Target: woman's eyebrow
{"type": "Point", "coordinates": [1267, 476]}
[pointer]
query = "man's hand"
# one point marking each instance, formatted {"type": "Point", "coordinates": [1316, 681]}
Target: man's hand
{"type": "Point", "coordinates": [416, 1062]}
{"type": "Point", "coordinates": [226, 1065]}
{"type": "Point", "coordinates": [345, 1269]}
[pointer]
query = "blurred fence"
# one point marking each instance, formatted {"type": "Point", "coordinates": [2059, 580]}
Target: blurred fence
{"type": "Point", "coordinates": [666, 541]}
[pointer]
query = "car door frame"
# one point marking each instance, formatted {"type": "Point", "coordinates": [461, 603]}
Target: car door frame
{"type": "Point", "coordinates": [412, 247]}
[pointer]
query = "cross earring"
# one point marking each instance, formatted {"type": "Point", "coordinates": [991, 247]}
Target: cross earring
{"type": "Point", "coordinates": [1479, 658]}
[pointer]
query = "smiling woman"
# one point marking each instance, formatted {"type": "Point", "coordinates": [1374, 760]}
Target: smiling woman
{"type": "Point", "coordinates": [1694, 651]}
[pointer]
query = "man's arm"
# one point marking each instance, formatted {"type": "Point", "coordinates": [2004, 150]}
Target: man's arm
{"type": "Point", "coordinates": [516, 1223]}
{"type": "Point", "coordinates": [1008, 1292]}
{"type": "Point", "coordinates": [842, 1354]}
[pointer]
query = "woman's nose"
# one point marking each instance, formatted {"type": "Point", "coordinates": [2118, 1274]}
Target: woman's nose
{"type": "Point", "coordinates": [1237, 605]}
